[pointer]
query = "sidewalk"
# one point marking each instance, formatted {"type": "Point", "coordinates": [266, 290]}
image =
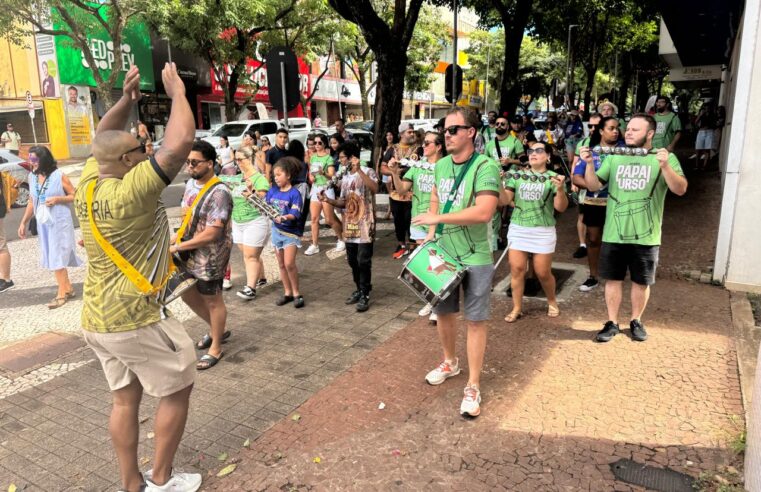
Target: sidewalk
{"type": "Point", "coordinates": [303, 387]}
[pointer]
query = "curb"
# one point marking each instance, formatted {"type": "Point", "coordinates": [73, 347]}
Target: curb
{"type": "Point", "coordinates": [748, 340]}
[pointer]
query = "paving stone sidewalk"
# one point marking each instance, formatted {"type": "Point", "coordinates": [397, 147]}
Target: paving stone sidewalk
{"type": "Point", "coordinates": [558, 408]}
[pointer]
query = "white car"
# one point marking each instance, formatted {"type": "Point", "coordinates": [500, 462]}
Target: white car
{"type": "Point", "coordinates": [234, 131]}
{"type": "Point", "coordinates": [19, 170]}
{"type": "Point", "coordinates": [362, 137]}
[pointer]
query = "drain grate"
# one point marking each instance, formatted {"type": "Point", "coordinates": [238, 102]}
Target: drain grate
{"type": "Point", "coordinates": [650, 477]}
{"type": "Point", "coordinates": [534, 289]}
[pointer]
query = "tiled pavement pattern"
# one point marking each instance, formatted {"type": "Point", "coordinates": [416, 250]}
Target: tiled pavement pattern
{"type": "Point", "coordinates": [557, 408]}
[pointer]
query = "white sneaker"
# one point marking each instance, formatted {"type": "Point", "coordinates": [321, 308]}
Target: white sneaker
{"type": "Point", "coordinates": [340, 246]}
{"type": "Point", "coordinates": [179, 482]}
{"type": "Point", "coordinates": [444, 371]}
{"type": "Point", "coordinates": [425, 311]}
{"type": "Point", "coordinates": [312, 250]}
{"type": "Point", "coordinates": [471, 402]}
{"type": "Point", "coordinates": [433, 317]}
{"type": "Point", "coordinates": [227, 284]}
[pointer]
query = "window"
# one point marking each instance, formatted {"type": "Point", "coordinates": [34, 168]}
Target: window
{"type": "Point", "coordinates": [230, 130]}
{"type": "Point", "coordinates": [266, 128]}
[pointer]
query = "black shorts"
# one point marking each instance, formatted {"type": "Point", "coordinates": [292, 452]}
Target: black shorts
{"type": "Point", "coordinates": [209, 287]}
{"type": "Point", "coordinates": [641, 261]}
{"type": "Point", "coordinates": [594, 216]}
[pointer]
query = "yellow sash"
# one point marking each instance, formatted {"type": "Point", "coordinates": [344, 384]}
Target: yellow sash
{"type": "Point", "coordinates": [129, 271]}
{"type": "Point", "coordinates": [189, 213]}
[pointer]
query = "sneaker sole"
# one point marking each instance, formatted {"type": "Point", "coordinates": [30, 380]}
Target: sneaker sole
{"type": "Point", "coordinates": [245, 297]}
{"type": "Point", "coordinates": [445, 378]}
{"type": "Point", "coordinates": [7, 289]}
{"type": "Point", "coordinates": [584, 288]}
{"type": "Point", "coordinates": [468, 415]}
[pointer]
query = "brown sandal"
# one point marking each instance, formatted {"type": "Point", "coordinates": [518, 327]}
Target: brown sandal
{"type": "Point", "coordinates": [57, 302]}
{"type": "Point", "coordinates": [513, 316]}
{"type": "Point", "coordinates": [71, 294]}
{"type": "Point", "coordinates": [553, 311]}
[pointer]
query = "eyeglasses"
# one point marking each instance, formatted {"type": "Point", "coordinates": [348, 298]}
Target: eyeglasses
{"type": "Point", "coordinates": [140, 147]}
{"type": "Point", "coordinates": [501, 125]}
{"type": "Point", "coordinates": [538, 150]}
{"type": "Point", "coordinates": [426, 143]}
{"type": "Point", "coordinates": [194, 163]}
{"type": "Point", "coordinates": [237, 159]}
{"type": "Point", "coordinates": [452, 130]}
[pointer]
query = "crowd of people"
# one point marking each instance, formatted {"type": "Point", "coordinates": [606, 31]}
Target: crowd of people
{"type": "Point", "coordinates": [466, 187]}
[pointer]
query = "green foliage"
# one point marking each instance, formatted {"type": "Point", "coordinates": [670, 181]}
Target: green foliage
{"type": "Point", "coordinates": [424, 51]}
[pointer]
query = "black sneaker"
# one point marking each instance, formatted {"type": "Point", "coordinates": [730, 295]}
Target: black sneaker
{"type": "Point", "coordinates": [608, 332]}
{"type": "Point", "coordinates": [354, 297]}
{"type": "Point", "coordinates": [589, 284]}
{"type": "Point", "coordinates": [283, 300]}
{"type": "Point", "coordinates": [298, 302]}
{"type": "Point", "coordinates": [638, 330]}
{"type": "Point", "coordinates": [262, 282]}
{"type": "Point", "coordinates": [247, 293]}
{"type": "Point", "coordinates": [363, 304]}
{"type": "Point", "coordinates": [581, 252]}
{"type": "Point", "coordinates": [6, 285]}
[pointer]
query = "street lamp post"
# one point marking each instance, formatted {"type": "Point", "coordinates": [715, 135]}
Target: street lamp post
{"type": "Point", "coordinates": [486, 84]}
{"type": "Point", "coordinates": [454, 57]}
{"type": "Point", "coordinates": [568, 66]}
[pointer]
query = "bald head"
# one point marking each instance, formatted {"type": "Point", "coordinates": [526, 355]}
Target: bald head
{"type": "Point", "coordinates": [110, 145]}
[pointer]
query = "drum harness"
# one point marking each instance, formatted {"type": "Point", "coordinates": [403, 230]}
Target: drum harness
{"type": "Point", "coordinates": [133, 275]}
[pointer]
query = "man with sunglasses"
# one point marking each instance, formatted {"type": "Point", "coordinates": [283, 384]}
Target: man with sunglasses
{"type": "Point", "coordinates": [489, 132]}
{"type": "Point", "coordinates": [207, 242]}
{"type": "Point", "coordinates": [118, 203]}
{"type": "Point", "coordinates": [463, 201]}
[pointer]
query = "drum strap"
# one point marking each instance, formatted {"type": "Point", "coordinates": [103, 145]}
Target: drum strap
{"type": "Point", "coordinates": [129, 271]}
{"type": "Point", "coordinates": [191, 211]}
{"type": "Point", "coordinates": [455, 189]}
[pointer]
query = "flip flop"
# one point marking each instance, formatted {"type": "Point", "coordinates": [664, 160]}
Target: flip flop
{"type": "Point", "coordinates": [553, 311]}
{"type": "Point", "coordinates": [57, 302]}
{"type": "Point", "coordinates": [205, 341]}
{"type": "Point", "coordinates": [209, 361]}
{"type": "Point", "coordinates": [513, 316]}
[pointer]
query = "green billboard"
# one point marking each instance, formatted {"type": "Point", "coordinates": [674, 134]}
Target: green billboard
{"type": "Point", "coordinates": [136, 50]}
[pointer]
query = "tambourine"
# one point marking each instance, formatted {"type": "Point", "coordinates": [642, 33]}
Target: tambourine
{"type": "Point", "coordinates": [632, 151]}
{"type": "Point", "coordinates": [409, 163]}
{"type": "Point", "coordinates": [527, 177]}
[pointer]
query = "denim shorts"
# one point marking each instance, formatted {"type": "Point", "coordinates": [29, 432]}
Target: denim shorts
{"type": "Point", "coordinates": [281, 241]}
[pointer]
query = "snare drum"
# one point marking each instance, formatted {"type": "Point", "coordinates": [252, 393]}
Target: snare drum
{"type": "Point", "coordinates": [180, 281]}
{"type": "Point", "coordinates": [432, 273]}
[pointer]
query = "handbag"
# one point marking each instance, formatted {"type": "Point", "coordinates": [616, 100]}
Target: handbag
{"type": "Point", "coordinates": [42, 213]}
{"type": "Point", "coordinates": [32, 226]}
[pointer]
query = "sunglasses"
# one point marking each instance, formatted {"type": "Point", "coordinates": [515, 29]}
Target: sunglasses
{"type": "Point", "coordinates": [538, 150]}
{"type": "Point", "coordinates": [426, 143]}
{"type": "Point", "coordinates": [501, 125]}
{"type": "Point", "coordinates": [452, 130]}
{"type": "Point", "coordinates": [319, 143]}
{"type": "Point", "coordinates": [264, 141]}
{"type": "Point", "coordinates": [140, 147]}
{"type": "Point", "coordinates": [194, 163]}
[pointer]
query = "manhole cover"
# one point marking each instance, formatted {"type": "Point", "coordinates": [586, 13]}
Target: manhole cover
{"type": "Point", "coordinates": [534, 289]}
{"type": "Point", "coordinates": [650, 477]}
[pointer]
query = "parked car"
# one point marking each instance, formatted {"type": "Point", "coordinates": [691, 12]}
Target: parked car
{"type": "Point", "coordinates": [367, 125]}
{"type": "Point", "coordinates": [19, 170]}
{"type": "Point", "coordinates": [234, 131]}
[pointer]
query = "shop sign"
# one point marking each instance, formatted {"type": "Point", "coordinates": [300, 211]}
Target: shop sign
{"type": "Point", "coordinates": [136, 50]}
{"type": "Point", "coordinates": [256, 72]}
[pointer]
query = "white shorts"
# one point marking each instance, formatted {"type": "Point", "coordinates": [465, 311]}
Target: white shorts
{"type": "Point", "coordinates": [418, 233]}
{"type": "Point", "coordinates": [704, 141]}
{"type": "Point", "coordinates": [313, 195]}
{"type": "Point", "coordinates": [255, 233]}
{"type": "Point", "coordinates": [538, 240]}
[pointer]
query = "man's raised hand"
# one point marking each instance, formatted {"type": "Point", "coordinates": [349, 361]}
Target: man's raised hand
{"type": "Point", "coordinates": [173, 85]}
{"type": "Point", "coordinates": [131, 86]}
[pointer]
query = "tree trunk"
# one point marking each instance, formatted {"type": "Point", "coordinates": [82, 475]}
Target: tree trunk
{"type": "Point", "coordinates": [362, 81]}
{"type": "Point", "coordinates": [626, 81]}
{"type": "Point", "coordinates": [388, 96]}
{"type": "Point", "coordinates": [515, 26]}
{"type": "Point", "coordinates": [588, 88]}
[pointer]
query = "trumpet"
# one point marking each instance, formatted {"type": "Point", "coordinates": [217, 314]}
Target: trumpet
{"type": "Point", "coordinates": [632, 151]}
{"type": "Point", "coordinates": [260, 204]}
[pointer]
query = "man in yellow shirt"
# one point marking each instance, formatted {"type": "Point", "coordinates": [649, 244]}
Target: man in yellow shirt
{"type": "Point", "coordinates": [121, 189]}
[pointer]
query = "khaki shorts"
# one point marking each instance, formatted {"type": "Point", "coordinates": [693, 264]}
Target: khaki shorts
{"type": "Point", "coordinates": [3, 241]}
{"type": "Point", "coordinates": [161, 356]}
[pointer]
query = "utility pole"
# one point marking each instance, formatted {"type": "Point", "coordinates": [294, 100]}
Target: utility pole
{"type": "Point", "coordinates": [454, 58]}
{"type": "Point", "coordinates": [486, 85]}
{"type": "Point", "coordinates": [568, 67]}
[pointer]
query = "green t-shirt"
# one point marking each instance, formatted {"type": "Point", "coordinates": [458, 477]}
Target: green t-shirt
{"type": "Point", "coordinates": [534, 199]}
{"type": "Point", "coordinates": [242, 210]}
{"type": "Point", "coordinates": [584, 142]}
{"type": "Point", "coordinates": [469, 244]}
{"type": "Point", "coordinates": [510, 147]}
{"type": "Point", "coordinates": [319, 167]}
{"type": "Point", "coordinates": [667, 125]}
{"type": "Point", "coordinates": [422, 185]}
{"type": "Point", "coordinates": [636, 192]}
{"type": "Point", "coordinates": [488, 133]}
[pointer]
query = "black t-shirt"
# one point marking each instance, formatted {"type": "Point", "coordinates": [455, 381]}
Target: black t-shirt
{"type": "Point", "coordinates": [273, 155]}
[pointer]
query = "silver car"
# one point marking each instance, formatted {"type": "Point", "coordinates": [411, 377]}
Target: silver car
{"type": "Point", "coordinates": [19, 170]}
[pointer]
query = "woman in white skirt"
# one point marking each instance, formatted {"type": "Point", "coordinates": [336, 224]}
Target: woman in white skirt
{"type": "Point", "coordinates": [537, 193]}
{"type": "Point", "coordinates": [251, 229]}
